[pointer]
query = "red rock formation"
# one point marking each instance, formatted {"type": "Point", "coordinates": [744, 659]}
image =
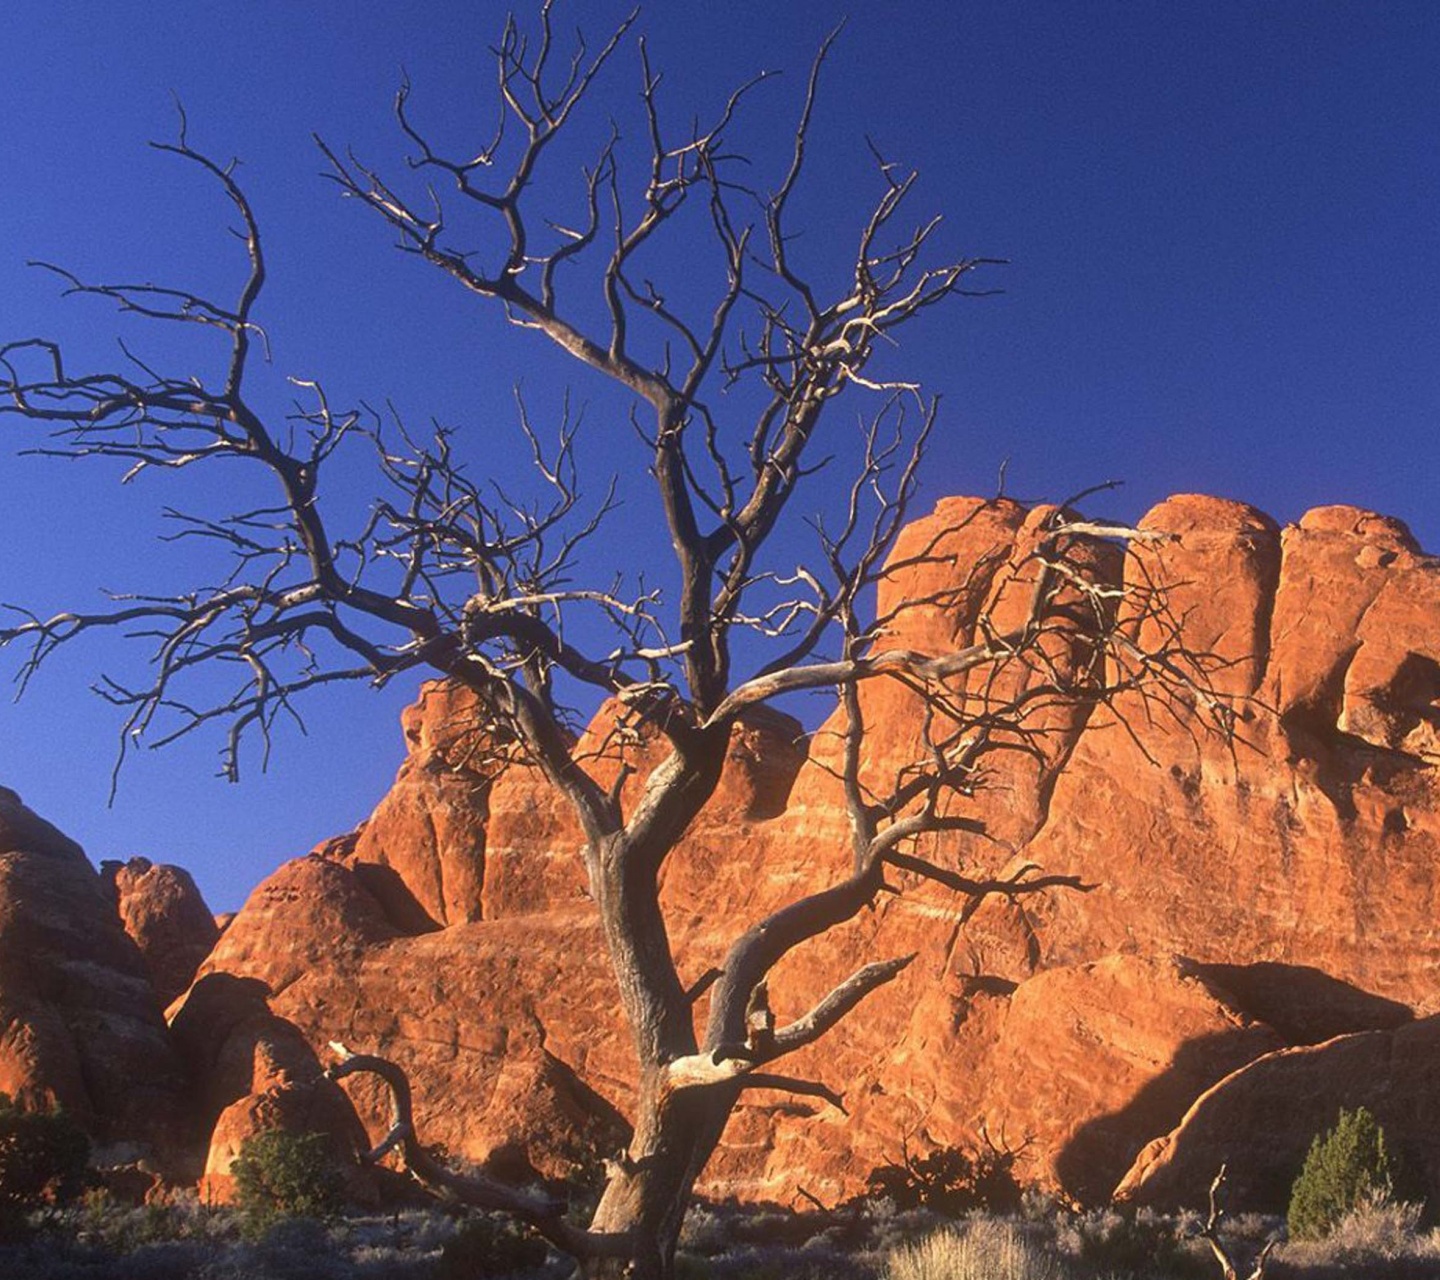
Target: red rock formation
{"type": "Point", "coordinates": [1090, 1057]}
{"type": "Point", "coordinates": [79, 1023]}
{"type": "Point", "coordinates": [1310, 844]}
{"type": "Point", "coordinates": [1297, 872]}
{"type": "Point", "coordinates": [430, 827]}
{"type": "Point", "coordinates": [254, 1072]}
{"type": "Point", "coordinates": [495, 1022]}
{"type": "Point", "coordinates": [162, 910]}
{"type": "Point", "coordinates": [312, 913]}
{"type": "Point", "coordinates": [1260, 1120]}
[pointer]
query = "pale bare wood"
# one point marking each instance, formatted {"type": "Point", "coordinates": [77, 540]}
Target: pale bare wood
{"type": "Point", "coordinates": [1209, 1231]}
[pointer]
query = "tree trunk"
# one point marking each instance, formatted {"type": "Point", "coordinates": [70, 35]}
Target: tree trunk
{"type": "Point", "coordinates": [649, 1189]}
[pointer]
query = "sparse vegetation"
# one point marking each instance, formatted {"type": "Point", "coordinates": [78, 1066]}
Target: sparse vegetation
{"type": "Point", "coordinates": [43, 1159]}
{"type": "Point", "coordinates": [1348, 1168]}
{"type": "Point", "coordinates": [487, 1246]}
{"type": "Point", "coordinates": [1134, 1243]}
{"type": "Point", "coordinates": [1373, 1240]}
{"type": "Point", "coordinates": [952, 1181]}
{"type": "Point", "coordinates": [183, 1239]}
{"type": "Point", "coordinates": [282, 1175]}
{"type": "Point", "coordinates": [104, 1225]}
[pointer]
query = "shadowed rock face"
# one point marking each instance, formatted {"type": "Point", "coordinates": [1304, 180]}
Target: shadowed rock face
{"type": "Point", "coordinates": [253, 1072]}
{"type": "Point", "coordinates": [1247, 898]}
{"type": "Point", "coordinates": [1077, 1039]}
{"type": "Point", "coordinates": [80, 1025]}
{"type": "Point", "coordinates": [1283, 1099]}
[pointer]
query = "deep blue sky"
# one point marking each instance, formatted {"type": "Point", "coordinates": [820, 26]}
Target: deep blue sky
{"type": "Point", "coordinates": [1223, 221]}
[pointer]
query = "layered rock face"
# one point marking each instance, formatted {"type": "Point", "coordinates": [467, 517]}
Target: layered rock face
{"type": "Point", "coordinates": [1248, 897]}
{"type": "Point", "coordinates": [80, 1025]}
{"type": "Point", "coordinates": [1314, 842]}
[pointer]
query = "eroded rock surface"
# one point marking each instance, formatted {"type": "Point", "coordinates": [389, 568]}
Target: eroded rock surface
{"type": "Point", "coordinates": [1248, 896]}
{"type": "Point", "coordinates": [311, 913]}
{"type": "Point", "coordinates": [80, 1025]}
{"type": "Point", "coordinates": [164, 912]}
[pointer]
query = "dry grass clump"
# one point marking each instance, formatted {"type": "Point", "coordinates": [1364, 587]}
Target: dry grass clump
{"type": "Point", "coordinates": [981, 1249]}
{"type": "Point", "coordinates": [1382, 1239]}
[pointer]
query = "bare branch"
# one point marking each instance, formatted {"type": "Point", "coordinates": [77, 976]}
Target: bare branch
{"type": "Point", "coordinates": [541, 1212]}
{"type": "Point", "coordinates": [1209, 1231]}
{"type": "Point", "coordinates": [734, 396]}
{"type": "Point", "coordinates": [814, 1024]}
{"type": "Point", "coordinates": [791, 1084]}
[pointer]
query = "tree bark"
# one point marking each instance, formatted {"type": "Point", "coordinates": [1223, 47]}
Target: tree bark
{"type": "Point", "coordinates": [650, 1187]}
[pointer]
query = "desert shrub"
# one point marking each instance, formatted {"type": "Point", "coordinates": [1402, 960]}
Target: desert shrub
{"type": "Point", "coordinates": [705, 1231]}
{"type": "Point", "coordinates": [285, 1175]}
{"type": "Point", "coordinates": [726, 1242]}
{"type": "Point", "coordinates": [1383, 1239]}
{"type": "Point", "coordinates": [99, 1221]}
{"type": "Point", "coordinates": [1346, 1168]}
{"type": "Point", "coordinates": [125, 1228]}
{"type": "Point", "coordinates": [43, 1160]}
{"type": "Point", "coordinates": [1127, 1244]}
{"type": "Point", "coordinates": [986, 1249]}
{"type": "Point", "coordinates": [1122, 1243]}
{"type": "Point", "coordinates": [487, 1246]}
{"type": "Point", "coordinates": [952, 1181]}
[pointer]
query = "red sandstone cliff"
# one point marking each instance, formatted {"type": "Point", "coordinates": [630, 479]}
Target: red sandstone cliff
{"type": "Point", "coordinates": [1250, 898]}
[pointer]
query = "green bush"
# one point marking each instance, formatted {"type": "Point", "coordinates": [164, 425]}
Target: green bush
{"type": "Point", "coordinates": [286, 1175]}
{"type": "Point", "coordinates": [1348, 1167]}
{"type": "Point", "coordinates": [487, 1246]}
{"type": "Point", "coordinates": [43, 1159]}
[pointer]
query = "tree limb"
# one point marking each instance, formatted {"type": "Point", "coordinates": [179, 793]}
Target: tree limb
{"type": "Point", "coordinates": [543, 1213]}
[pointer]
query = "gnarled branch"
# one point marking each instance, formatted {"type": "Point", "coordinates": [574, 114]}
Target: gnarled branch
{"type": "Point", "coordinates": [480, 1191]}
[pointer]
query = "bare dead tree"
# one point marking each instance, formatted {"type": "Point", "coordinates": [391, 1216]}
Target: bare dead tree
{"type": "Point", "coordinates": [445, 573]}
{"type": "Point", "coordinates": [1209, 1231]}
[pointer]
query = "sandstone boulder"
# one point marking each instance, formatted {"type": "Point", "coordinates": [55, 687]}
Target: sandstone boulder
{"type": "Point", "coordinates": [80, 1025]}
{"type": "Point", "coordinates": [163, 911]}
{"type": "Point", "coordinates": [311, 912]}
{"type": "Point", "coordinates": [253, 1072]}
{"type": "Point", "coordinates": [1259, 1121]}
